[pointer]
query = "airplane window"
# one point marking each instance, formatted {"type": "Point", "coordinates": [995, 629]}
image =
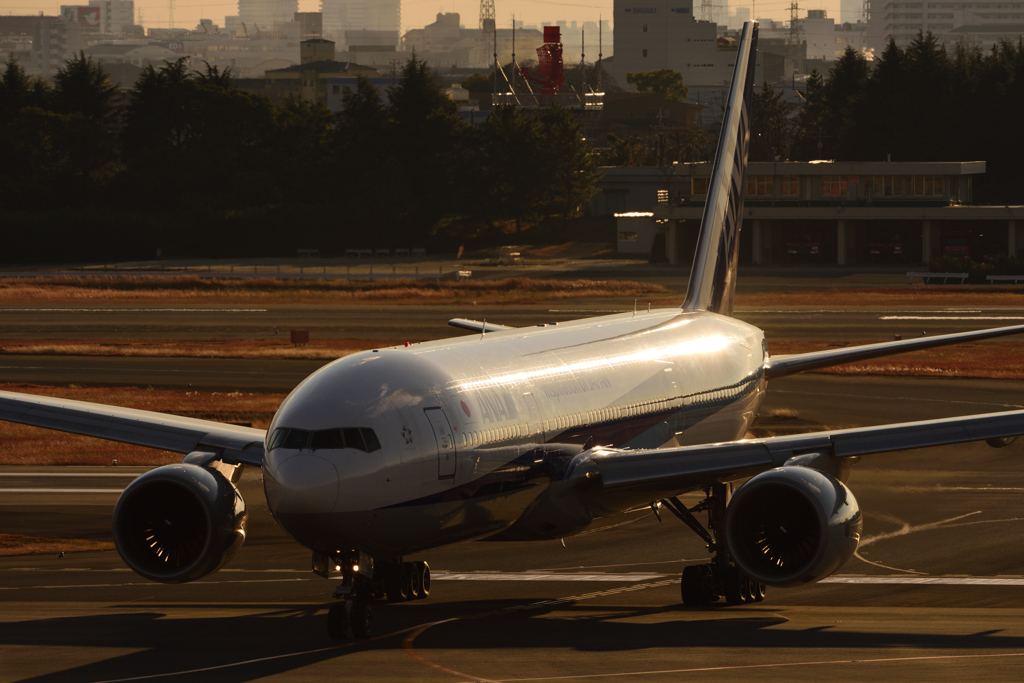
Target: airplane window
{"type": "Point", "coordinates": [296, 438]}
{"type": "Point", "coordinates": [370, 439]}
{"type": "Point", "coordinates": [278, 437]}
{"type": "Point", "coordinates": [327, 438]}
{"type": "Point", "coordinates": [354, 439]}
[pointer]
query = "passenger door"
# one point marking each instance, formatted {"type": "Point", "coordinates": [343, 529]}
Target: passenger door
{"type": "Point", "coordinates": [445, 438]}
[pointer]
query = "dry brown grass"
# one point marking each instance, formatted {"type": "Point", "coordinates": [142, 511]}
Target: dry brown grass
{"type": "Point", "coordinates": [319, 349]}
{"type": "Point", "coordinates": [193, 290]}
{"type": "Point", "coordinates": [13, 544]}
{"type": "Point", "coordinates": [989, 359]}
{"type": "Point", "coordinates": [24, 445]}
{"type": "Point", "coordinates": [954, 295]}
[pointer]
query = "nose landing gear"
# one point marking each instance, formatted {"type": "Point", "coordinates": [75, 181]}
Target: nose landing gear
{"type": "Point", "coordinates": [361, 584]}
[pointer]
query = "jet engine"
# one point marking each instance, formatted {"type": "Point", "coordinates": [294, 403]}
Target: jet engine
{"type": "Point", "coordinates": [792, 525]}
{"type": "Point", "coordinates": [178, 523]}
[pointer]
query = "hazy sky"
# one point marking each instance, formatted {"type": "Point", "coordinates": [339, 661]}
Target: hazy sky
{"type": "Point", "coordinates": [415, 13]}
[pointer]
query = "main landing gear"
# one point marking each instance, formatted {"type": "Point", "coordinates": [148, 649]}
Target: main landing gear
{"type": "Point", "coordinates": [705, 583]}
{"type": "Point", "coordinates": [361, 583]}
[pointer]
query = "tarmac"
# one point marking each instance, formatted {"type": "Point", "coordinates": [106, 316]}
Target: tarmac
{"type": "Point", "coordinates": [933, 594]}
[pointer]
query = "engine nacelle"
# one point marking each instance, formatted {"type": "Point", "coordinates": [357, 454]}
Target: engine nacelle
{"type": "Point", "coordinates": [792, 525]}
{"type": "Point", "coordinates": [178, 523]}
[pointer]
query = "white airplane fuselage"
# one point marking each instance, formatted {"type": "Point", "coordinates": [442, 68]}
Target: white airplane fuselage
{"type": "Point", "coordinates": [473, 431]}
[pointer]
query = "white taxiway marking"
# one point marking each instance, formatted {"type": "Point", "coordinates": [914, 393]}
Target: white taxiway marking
{"type": "Point", "coordinates": [61, 490]}
{"type": "Point", "coordinates": [527, 576]}
{"type": "Point", "coordinates": [928, 580]}
{"type": "Point", "coordinates": [70, 474]}
{"type": "Point", "coordinates": [133, 310]}
{"type": "Point", "coordinates": [951, 317]}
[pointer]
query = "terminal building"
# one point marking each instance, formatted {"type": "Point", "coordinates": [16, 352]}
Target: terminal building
{"type": "Point", "coordinates": [817, 212]}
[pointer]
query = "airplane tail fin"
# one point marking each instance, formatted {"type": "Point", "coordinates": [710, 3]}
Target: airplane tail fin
{"type": "Point", "coordinates": [713, 276]}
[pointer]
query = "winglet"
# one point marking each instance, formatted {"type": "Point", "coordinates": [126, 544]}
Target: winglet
{"type": "Point", "coordinates": [713, 276]}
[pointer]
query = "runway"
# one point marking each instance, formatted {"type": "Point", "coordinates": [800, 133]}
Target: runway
{"type": "Point", "coordinates": [935, 592]}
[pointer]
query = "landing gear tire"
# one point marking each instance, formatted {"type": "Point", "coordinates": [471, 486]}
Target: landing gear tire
{"type": "Point", "coordinates": [758, 591]}
{"type": "Point", "coordinates": [361, 619]}
{"type": "Point", "coordinates": [337, 621]}
{"type": "Point", "coordinates": [421, 570]}
{"type": "Point", "coordinates": [746, 595]}
{"type": "Point", "coordinates": [409, 580]}
{"type": "Point", "coordinates": [732, 586]}
{"type": "Point", "coordinates": [415, 580]}
{"type": "Point", "coordinates": [697, 585]}
{"type": "Point", "coordinates": [396, 581]}
{"type": "Point", "coordinates": [691, 586]}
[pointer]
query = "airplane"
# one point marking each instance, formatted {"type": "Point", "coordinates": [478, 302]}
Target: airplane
{"type": "Point", "coordinates": [528, 434]}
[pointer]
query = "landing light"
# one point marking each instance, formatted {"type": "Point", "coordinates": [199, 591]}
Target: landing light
{"type": "Point", "coordinates": [337, 567]}
{"type": "Point", "coordinates": [355, 567]}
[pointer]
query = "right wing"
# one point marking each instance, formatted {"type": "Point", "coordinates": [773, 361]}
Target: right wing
{"type": "Point", "coordinates": [627, 477]}
{"type": "Point", "coordinates": [780, 366]}
{"type": "Point", "coordinates": [140, 427]}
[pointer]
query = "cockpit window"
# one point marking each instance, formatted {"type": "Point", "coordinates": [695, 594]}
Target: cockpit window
{"type": "Point", "coordinates": [370, 437]}
{"type": "Point", "coordinates": [327, 438]}
{"type": "Point", "coordinates": [277, 438]}
{"type": "Point", "coordinates": [296, 438]}
{"type": "Point", "coordinates": [354, 439]}
{"type": "Point", "coordinates": [360, 438]}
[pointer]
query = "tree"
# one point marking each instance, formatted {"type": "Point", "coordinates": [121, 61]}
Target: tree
{"type": "Point", "coordinates": [479, 83]}
{"type": "Point", "coordinates": [426, 140]}
{"type": "Point", "coordinates": [18, 90]}
{"type": "Point", "coordinates": [842, 93]}
{"type": "Point", "coordinates": [770, 126]}
{"type": "Point", "coordinates": [569, 163]}
{"type": "Point", "coordinates": [664, 82]}
{"type": "Point", "coordinates": [183, 124]}
{"type": "Point", "coordinates": [886, 129]}
{"type": "Point", "coordinates": [811, 120]}
{"type": "Point", "coordinates": [510, 183]}
{"type": "Point", "coordinates": [82, 87]}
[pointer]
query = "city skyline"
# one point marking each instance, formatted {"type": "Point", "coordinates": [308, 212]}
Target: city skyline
{"type": "Point", "coordinates": [418, 13]}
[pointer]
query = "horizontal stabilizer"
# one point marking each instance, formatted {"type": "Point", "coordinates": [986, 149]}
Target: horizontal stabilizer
{"type": "Point", "coordinates": [140, 427]}
{"type": "Point", "coordinates": [477, 326]}
{"type": "Point", "coordinates": [780, 366]}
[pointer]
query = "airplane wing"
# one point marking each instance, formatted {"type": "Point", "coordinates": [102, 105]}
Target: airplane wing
{"type": "Point", "coordinates": [477, 326]}
{"type": "Point", "coordinates": [140, 427]}
{"type": "Point", "coordinates": [780, 366]}
{"type": "Point", "coordinates": [645, 475]}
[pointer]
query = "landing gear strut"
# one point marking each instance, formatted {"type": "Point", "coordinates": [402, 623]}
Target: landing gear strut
{"type": "Point", "coordinates": [357, 591]}
{"type": "Point", "coordinates": [705, 583]}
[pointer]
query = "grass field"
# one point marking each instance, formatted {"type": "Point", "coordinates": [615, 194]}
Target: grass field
{"type": "Point", "coordinates": [189, 289]}
{"type": "Point", "coordinates": [14, 544]}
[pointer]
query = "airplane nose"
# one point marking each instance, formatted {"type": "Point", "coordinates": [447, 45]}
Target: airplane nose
{"type": "Point", "coordinates": [300, 484]}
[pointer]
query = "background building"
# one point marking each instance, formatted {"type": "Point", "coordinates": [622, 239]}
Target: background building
{"type": "Point", "coordinates": [341, 17]}
{"type": "Point", "coordinates": [54, 41]}
{"type": "Point", "coordinates": [663, 34]}
{"type": "Point", "coordinates": [981, 21]}
{"type": "Point", "coordinates": [265, 14]}
{"type": "Point", "coordinates": [830, 213]}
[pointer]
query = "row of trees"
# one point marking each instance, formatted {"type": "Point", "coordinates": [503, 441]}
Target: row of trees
{"type": "Point", "coordinates": [919, 103]}
{"type": "Point", "coordinates": [211, 167]}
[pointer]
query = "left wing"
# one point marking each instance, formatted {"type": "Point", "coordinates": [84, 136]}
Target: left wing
{"type": "Point", "coordinates": [140, 427]}
{"type": "Point", "coordinates": [477, 326]}
{"type": "Point", "coordinates": [659, 473]}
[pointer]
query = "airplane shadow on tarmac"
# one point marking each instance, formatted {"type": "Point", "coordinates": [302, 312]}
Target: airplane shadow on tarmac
{"type": "Point", "coordinates": [284, 638]}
